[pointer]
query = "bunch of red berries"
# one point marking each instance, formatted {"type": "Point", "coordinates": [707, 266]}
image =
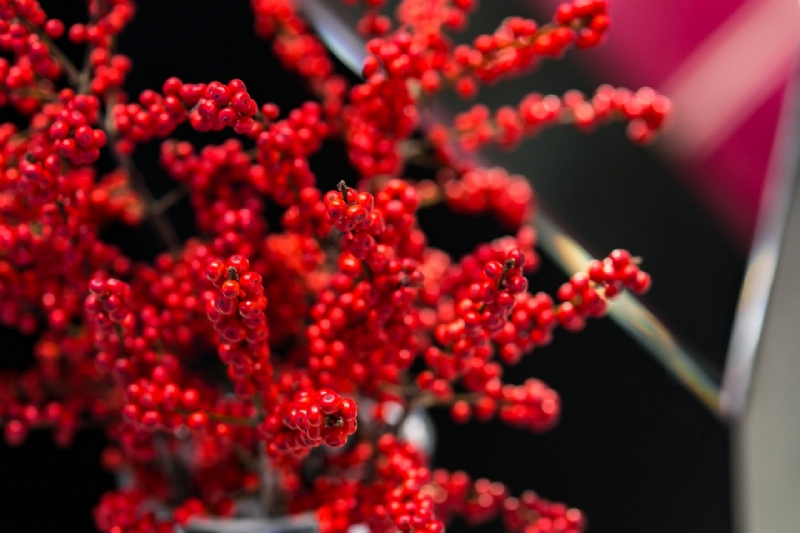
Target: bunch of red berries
{"type": "Point", "coordinates": [311, 419]}
{"type": "Point", "coordinates": [237, 313]}
{"type": "Point", "coordinates": [226, 371]}
{"type": "Point", "coordinates": [351, 210]}
{"type": "Point", "coordinates": [72, 133]}
{"type": "Point", "coordinates": [220, 106]}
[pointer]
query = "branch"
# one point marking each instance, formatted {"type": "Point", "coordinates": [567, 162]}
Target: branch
{"type": "Point", "coordinates": [168, 200]}
{"type": "Point", "coordinates": [160, 224]}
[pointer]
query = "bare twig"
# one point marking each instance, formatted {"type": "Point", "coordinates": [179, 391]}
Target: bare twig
{"type": "Point", "coordinates": [168, 200]}
{"type": "Point", "coordinates": [267, 489]}
{"type": "Point", "coordinates": [161, 225]}
{"type": "Point", "coordinates": [168, 466]}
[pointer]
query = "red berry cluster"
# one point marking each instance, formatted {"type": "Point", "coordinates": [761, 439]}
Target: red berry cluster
{"type": "Point", "coordinates": [208, 107]}
{"type": "Point", "coordinates": [237, 313]}
{"type": "Point", "coordinates": [311, 419]}
{"type": "Point", "coordinates": [220, 106]}
{"type": "Point", "coordinates": [308, 216]}
{"type": "Point", "coordinates": [182, 360]}
{"type": "Point", "coordinates": [155, 404]}
{"type": "Point", "coordinates": [518, 44]}
{"type": "Point", "coordinates": [590, 15]}
{"type": "Point", "coordinates": [106, 24]}
{"type": "Point", "coordinates": [113, 199]}
{"type": "Point", "coordinates": [350, 210]}
{"type": "Point", "coordinates": [20, 418]}
{"type": "Point", "coordinates": [481, 500]}
{"type": "Point", "coordinates": [72, 132]}
{"type": "Point", "coordinates": [396, 499]}
{"type": "Point", "coordinates": [485, 296]}
{"type": "Point", "coordinates": [585, 294]}
{"type": "Point", "coordinates": [533, 406]}
{"type": "Point", "coordinates": [171, 312]}
{"type": "Point", "coordinates": [110, 71]}
{"type": "Point", "coordinates": [381, 114]}
{"type": "Point", "coordinates": [283, 149]}
{"type": "Point", "coordinates": [402, 473]}
{"type": "Point", "coordinates": [645, 111]}
{"type": "Point", "coordinates": [292, 260]}
{"type": "Point", "coordinates": [153, 116]}
{"type": "Point", "coordinates": [363, 316]}
{"type": "Point", "coordinates": [108, 305]}
{"type": "Point", "coordinates": [234, 219]}
{"type": "Point", "coordinates": [509, 198]}
{"type": "Point", "coordinates": [31, 58]}
{"type": "Point", "coordinates": [433, 16]}
{"type": "Point", "coordinates": [126, 511]}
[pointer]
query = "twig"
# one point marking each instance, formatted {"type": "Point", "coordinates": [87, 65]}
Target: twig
{"type": "Point", "coordinates": [85, 75]}
{"type": "Point", "coordinates": [32, 92]}
{"type": "Point", "coordinates": [267, 488]}
{"type": "Point", "coordinates": [161, 225]}
{"type": "Point", "coordinates": [168, 466]}
{"type": "Point", "coordinates": [168, 200]}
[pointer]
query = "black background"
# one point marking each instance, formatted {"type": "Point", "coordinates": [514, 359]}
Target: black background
{"type": "Point", "coordinates": [634, 449]}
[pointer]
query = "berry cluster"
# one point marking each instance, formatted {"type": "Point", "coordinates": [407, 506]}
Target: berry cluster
{"type": "Point", "coordinates": [21, 418]}
{"type": "Point", "coordinates": [222, 383]}
{"type": "Point", "coordinates": [154, 116]}
{"type": "Point", "coordinates": [154, 404]}
{"type": "Point", "coordinates": [481, 500]}
{"type": "Point", "coordinates": [237, 313]}
{"type": "Point", "coordinates": [509, 199]}
{"type": "Point", "coordinates": [123, 512]}
{"type": "Point", "coordinates": [380, 115]}
{"type": "Point", "coordinates": [105, 24]}
{"type": "Point", "coordinates": [72, 133]}
{"type": "Point", "coordinates": [108, 306]}
{"type": "Point", "coordinates": [208, 107]}
{"type": "Point", "coordinates": [283, 149]}
{"type": "Point", "coordinates": [110, 71]}
{"type": "Point", "coordinates": [113, 199]}
{"type": "Point", "coordinates": [581, 296]}
{"type": "Point", "coordinates": [351, 210]}
{"type": "Point", "coordinates": [396, 499]}
{"type": "Point", "coordinates": [221, 106]}
{"type": "Point", "coordinates": [311, 419]}
{"type": "Point", "coordinates": [644, 110]}
{"type": "Point", "coordinates": [591, 16]}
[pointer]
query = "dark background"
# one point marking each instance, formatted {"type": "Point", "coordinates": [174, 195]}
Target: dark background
{"type": "Point", "coordinates": [634, 449]}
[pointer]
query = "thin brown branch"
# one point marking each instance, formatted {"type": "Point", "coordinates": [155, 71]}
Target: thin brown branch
{"type": "Point", "coordinates": [160, 224]}
{"type": "Point", "coordinates": [170, 199]}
